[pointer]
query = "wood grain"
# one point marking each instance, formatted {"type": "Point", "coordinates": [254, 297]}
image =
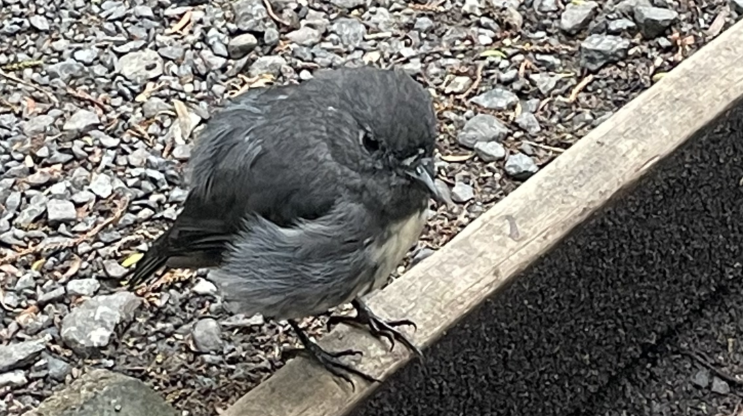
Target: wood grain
{"type": "Point", "coordinates": [502, 242]}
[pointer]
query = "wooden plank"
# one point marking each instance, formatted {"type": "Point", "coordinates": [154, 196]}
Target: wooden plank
{"type": "Point", "coordinates": [502, 242]}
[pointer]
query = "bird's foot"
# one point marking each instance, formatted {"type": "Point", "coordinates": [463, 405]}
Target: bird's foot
{"type": "Point", "coordinates": [330, 360]}
{"type": "Point", "coordinates": [377, 326]}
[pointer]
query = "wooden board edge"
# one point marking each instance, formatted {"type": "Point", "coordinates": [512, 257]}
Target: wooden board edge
{"type": "Point", "coordinates": [503, 241]}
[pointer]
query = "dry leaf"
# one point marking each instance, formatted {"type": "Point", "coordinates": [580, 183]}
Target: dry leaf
{"type": "Point", "coordinates": [9, 269]}
{"type": "Point", "coordinates": [185, 20]}
{"type": "Point", "coordinates": [716, 27]}
{"type": "Point", "coordinates": [74, 267]}
{"type": "Point", "coordinates": [492, 53]}
{"type": "Point", "coordinates": [183, 117]}
{"type": "Point", "coordinates": [657, 77]}
{"type": "Point", "coordinates": [30, 105]}
{"type": "Point", "coordinates": [132, 259]}
{"type": "Point", "coordinates": [145, 95]}
{"type": "Point", "coordinates": [38, 264]}
{"type": "Point", "coordinates": [27, 314]}
{"type": "Point", "coordinates": [456, 158]}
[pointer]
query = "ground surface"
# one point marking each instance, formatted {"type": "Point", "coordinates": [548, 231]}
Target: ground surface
{"type": "Point", "coordinates": [638, 312]}
{"type": "Point", "coordinates": [98, 106]}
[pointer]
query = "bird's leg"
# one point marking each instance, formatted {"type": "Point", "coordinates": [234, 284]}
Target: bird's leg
{"type": "Point", "coordinates": [377, 326]}
{"type": "Point", "coordinates": [330, 360]}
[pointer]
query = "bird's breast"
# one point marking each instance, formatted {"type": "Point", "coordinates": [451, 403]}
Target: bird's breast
{"type": "Point", "coordinates": [389, 249]}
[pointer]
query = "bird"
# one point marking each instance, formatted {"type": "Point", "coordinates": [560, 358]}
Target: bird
{"type": "Point", "coordinates": [307, 196]}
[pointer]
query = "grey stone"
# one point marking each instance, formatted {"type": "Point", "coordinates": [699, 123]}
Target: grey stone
{"type": "Point", "coordinates": [52, 296]}
{"type": "Point", "coordinates": [212, 61]}
{"type": "Point", "coordinates": [102, 185]}
{"type": "Point", "coordinates": [207, 335]}
{"type": "Point", "coordinates": [520, 166]}
{"type": "Point", "coordinates": [599, 50]}
{"type": "Point", "coordinates": [490, 151]}
{"type": "Point", "coordinates": [462, 192]}
{"type": "Point", "coordinates": [138, 158]}
{"type": "Point", "coordinates": [83, 287]}
{"type": "Point", "coordinates": [545, 82]}
{"type": "Point", "coordinates": [82, 197]}
{"type": "Point", "coordinates": [481, 128]}
{"type": "Point", "coordinates": [425, 24]}
{"type": "Point", "coordinates": [105, 393]}
{"type": "Point", "coordinates": [173, 52]}
{"type": "Point", "coordinates": [546, 6]}
{"type": "Point", "coordinates": [91, 325]}
{"type": "Point", "coordinates": [576, 17]}
{"type": "Point", "coordinates": [618, 26]}
{"type": "Point", "coordinates": [240, 46]}
{"type": "Point", "coordinates": [153, 106]}
{"type": "Point", "coordinates": [458, 85]}
{"type": "Point", "coordinates": [11, 300]}
{"type": "Point", "coordinates": [251, 16]}
{"type": "Point", "coordinates": [627, 7]}
{"type": "Point", "coordinates": [26, 281]}
{"type": "Point", "coordinates": [29, 214]}
{"type": "Point", "coordinates": [305, 36]}
{"type": "Point", "coordinates": [58, 210]}
{"type": "Point", "coordinates": [143, 11]}
{"type": "Point", "coordinates": [348, 4]}
{"type": "Point", "coordinates": [350, 31]}
{"type": "Point", "coordinates": [113, 269]}
{"type": "Point", "coordinates": [86, 56]}
{"type": "Point", "coordinates": [720, 386]}
{"type": "Point", "coordinates": [141, 65]}
{"type": "Point", "coordinates": [472, 7]}
{"type": "Point", "coordinates": [204, 287]}
{"type": "Point", "coordinates": [39, 22]}
{"type": "Point", "coordinates": [21, 354]}
{"type": "Point", "coordinates": [271, 37]}
{"type": "Point", "coordinates": [528, 122]}
{"type": "Point", "coordinates": [271, 64]}
{"type": "Point", "coordinates": [737, 5]}
{"type": "Point", "coordinates": [58, 369]}
{"type": "Point", "coordinates": [496, 99]}
{"type": "Point", "coordinates": [13, 379]}
{"type": "Point", "coordinates": [81, 121]}
{"type": "Point", "coordinates": [181, 152]}
{"type": "Point", "coordinates": [653, 21]}
{"type": "Point", "coordinates": [37, 125]}
{"type": "Point", "coordinates": [66, 70]}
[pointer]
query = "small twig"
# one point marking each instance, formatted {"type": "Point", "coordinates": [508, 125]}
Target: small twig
{"type": "Point", "coordinates": [544, 146]}
{"type": "Point", "coordinates": [36, 87]}
{"type": "Point", "coordinates": [271, 13]}
{"type": "Point", "coordinates": [86, 97]}
{"type": "Point", "coordinates": [476, 84]}
{"type": "Point", "coordinates": [578, 88]}
{"type": "Point", "coordinates": [403, 59]}
{"type": "Point", "coordinates": [719, 373]}
{"type": "Point", "coordinates": [121, 206]}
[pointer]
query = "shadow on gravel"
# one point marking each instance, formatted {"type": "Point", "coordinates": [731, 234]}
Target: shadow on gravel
{"type": "Point", "coordinates": [598, 304]}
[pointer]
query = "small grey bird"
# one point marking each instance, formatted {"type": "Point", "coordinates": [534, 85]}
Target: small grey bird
{"type": "Point", "coordinates": [305, 197]}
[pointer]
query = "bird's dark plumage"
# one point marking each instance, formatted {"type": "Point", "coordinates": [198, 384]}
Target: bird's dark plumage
{"type": "Point", "coordinates": [304, 197]}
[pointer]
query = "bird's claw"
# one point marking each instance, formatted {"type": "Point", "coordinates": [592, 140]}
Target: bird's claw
{"type": "Point", "coordinates": [377, 326]}
{"type": "Point", "coordinates": [330, 360]}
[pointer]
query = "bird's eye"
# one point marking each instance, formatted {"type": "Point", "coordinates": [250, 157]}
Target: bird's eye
{"type": "Point", "coordinates": [369, 142]}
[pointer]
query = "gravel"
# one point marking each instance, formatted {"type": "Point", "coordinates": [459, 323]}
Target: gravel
{"type": "Point", "coordinates": [102, 102]}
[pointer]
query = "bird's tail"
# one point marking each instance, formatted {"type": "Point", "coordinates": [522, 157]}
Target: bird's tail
{"type": "Point", "coordinates": [154, 258]}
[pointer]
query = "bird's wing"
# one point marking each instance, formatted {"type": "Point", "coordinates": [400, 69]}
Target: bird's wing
{"type": "Point", "coordinates": [289, 272]}
{"type": "Point", "coordinates": [244, 163]}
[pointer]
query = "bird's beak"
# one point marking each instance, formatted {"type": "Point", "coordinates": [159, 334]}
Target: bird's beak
{"type": "Point", "coordinates": [424, 172]}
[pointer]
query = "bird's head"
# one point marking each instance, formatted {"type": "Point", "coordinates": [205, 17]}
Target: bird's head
{"type": "Point", "coordinates": [394, 123]}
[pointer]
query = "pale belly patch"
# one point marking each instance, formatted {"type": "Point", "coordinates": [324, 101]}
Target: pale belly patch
{"type": "Point", "coordinates": [388, 253]}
